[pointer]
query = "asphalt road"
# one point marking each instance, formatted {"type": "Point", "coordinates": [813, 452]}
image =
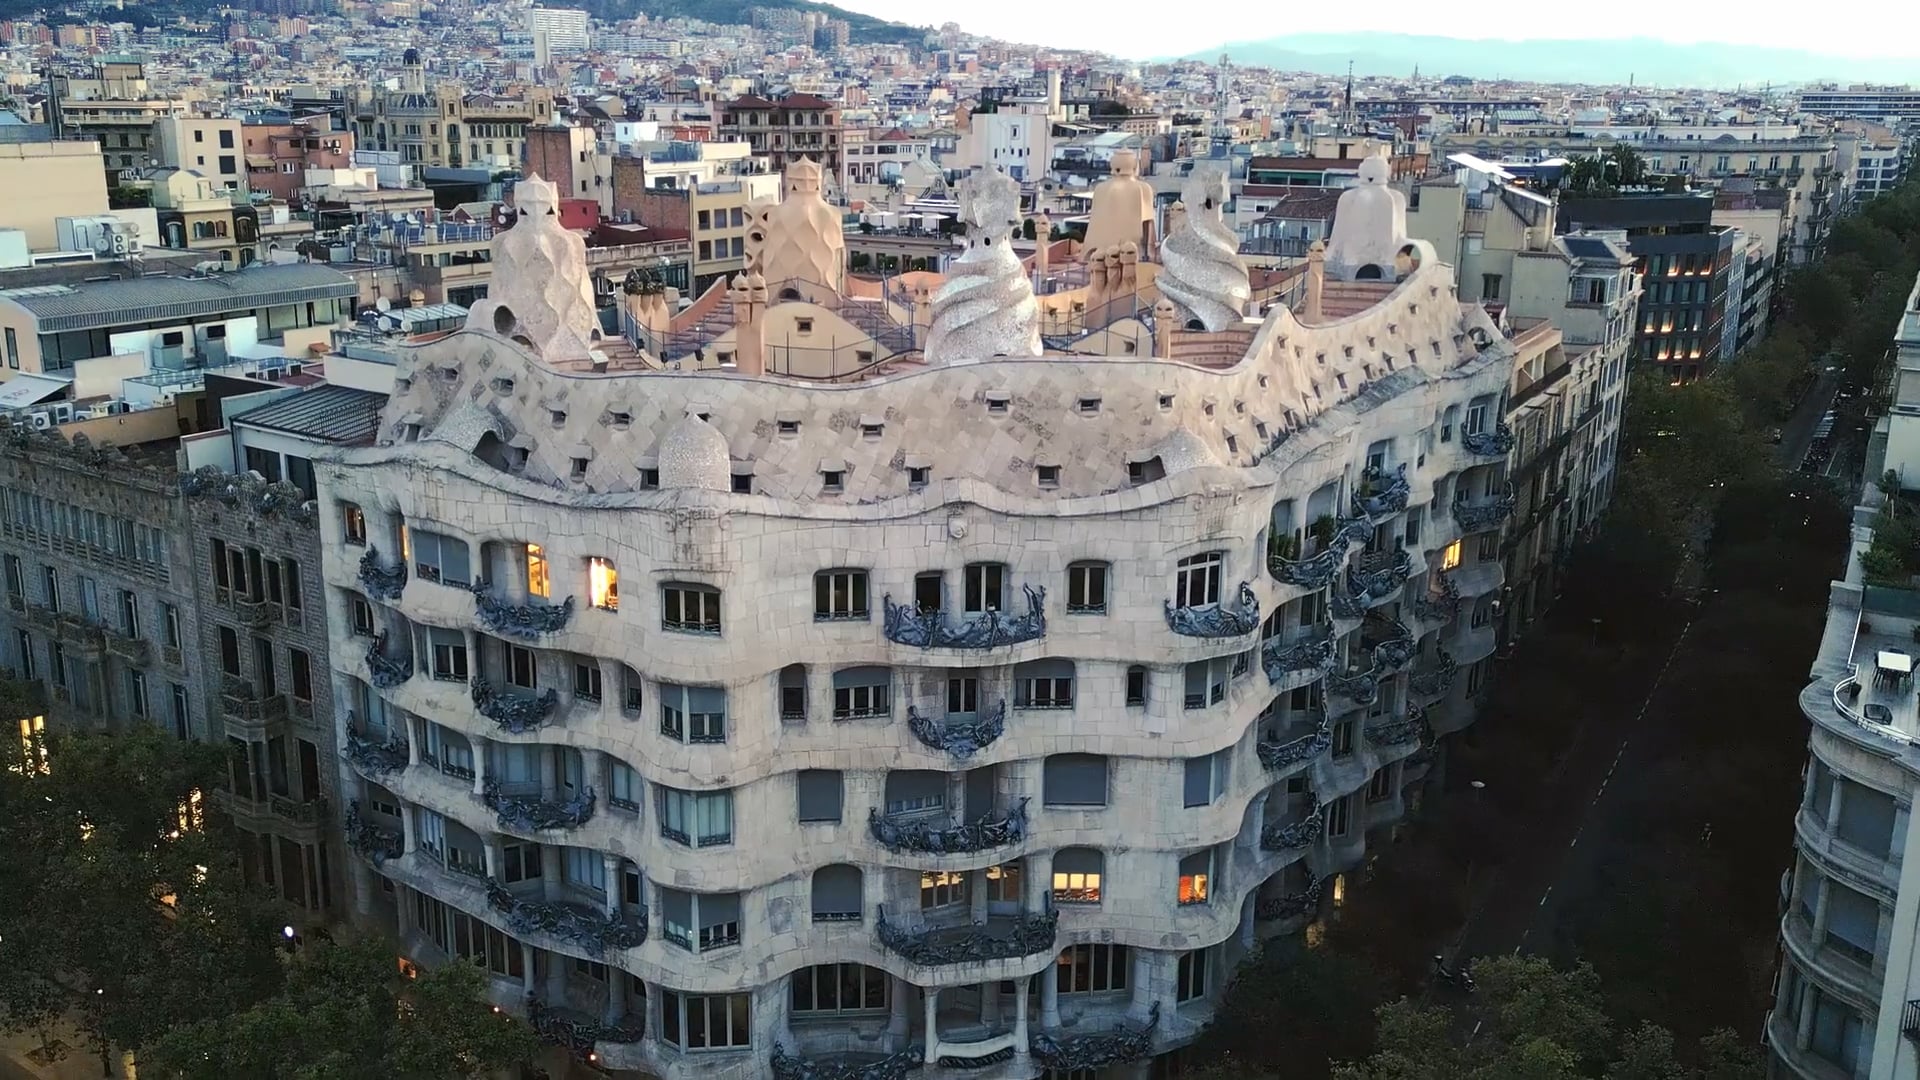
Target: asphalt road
{"type": "Point", "coordinates": [1797, 432]}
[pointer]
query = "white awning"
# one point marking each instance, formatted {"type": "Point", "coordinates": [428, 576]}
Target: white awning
{"type": "Point", "coordinates": [27, 389]}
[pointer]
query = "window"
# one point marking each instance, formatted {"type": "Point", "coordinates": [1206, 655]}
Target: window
{"type": "Point", "coordinates": [1343, 739]}
{"type": "Point", "coordinates": [819, 792]}
{"type": "Point", "coordinates": [1476, 422]}
{"type": "Point", "coordinates": [1380, 786]}
{"type": "Point", "coordinates": [584, 867]}
{"type": "Point", "coordinates": [1837, 1032]}
{"type": "Point", "coordinates": [701, 921]}
{"type": "Point", "coordinates": [914, 791]}
{"type": "Point", "coordinates": [1339, 817]}
{"type": "Point", "coordinates": [1853, 923]}
{"type": "Point", "coordinates": [362, 617]}
{"type": "Point", "coordinates": [440, 558]}
{"type": "Point", "coordinates": [586, 680]}
{"type": "Point", "coordinates": [696, 818]}
{"type": "Point", "coordinates": [229, 651]}
{"type": "Point", "coordinates": [793, 692]}
{"type": "Point", "coordinates": [623, 785]}
{"type": "Point", "coordinates": [50, 586]}
{"type": "Point", "coordinates": [1146, 472]}
{"type": "Point", "coordinates": [862, 693]}
{"type": "Point", "coordinates": [603, 584]}
{"type": "Point", "coordinates": [1867, 819]}
{"type": "Point", "coordinates": [986, 585]}
{"type": "Point", "coordinates": [449, 750]}
{"type": "Point", "coordinates": [301, 666]}
{"type": "Point", "coordinates": [1450, 559]}
{"type": "Point", "coordinates": [706, 1021]}
{"type": "Point", "coordinates": [837, 894]}
{"type": "Point", "coordinates": [693, 609]}
{"type": "Point", "coordinates": [1047, 476]}
{"type": "Point", "coordinates": [942, 888]}
{"type": "Point", "coordinates": [963, 695]}
{"type": "Point", "coordinates": [693, 714]}
{"type": "Point", "coordinates": [137, 693]}
{"type": "Point", "coordinates": [1076, 875]}
{"type": "Point", "coordinates": [1137, 686]}
{"type": "Point", "coordinates": [1092, 969]}
{"type": "Point", "coordinates": [1043, 684]}
{"type": "Point", "coordinates": [1087, 588]}
{"type": "Point", "coordinates": [1190, 979]}
{"type": "Point", "coordinates": [1196, 877]}
{"type": "Point", "coordinates": [1196, 580]}
{"type": "Point", "coordinates": [523, 668]}
{"type": "Point", "coordinates": [1206, 778]}
{"type": "Point", "coordinates": [1490, 286]}
{"type": "Point", "coordinates": [833, 481]}
{"type": "Point", "coordinates": [449, 654]}
{"type": "Point", "coordinates": [520, 862]}
{"type": "Point", "coordinates": [539, 577]}
{"type": "Point", "coordinates": [1207, 682]}
{"type": "Point", "coordinates": [840, 594]}
{"type": "Point", "coordinates": [929, 591]}
{"type": "Point", "coordinates": [1074, 780]}
{"type": "Point", "coordinates": [16, 581]}
{"type": "Point", "coordinates": [839, 988]}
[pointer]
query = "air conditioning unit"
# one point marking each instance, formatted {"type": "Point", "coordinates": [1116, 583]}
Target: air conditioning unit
{"type": "Point", "coordinates": [86, 414]}
{"type": "Point", "coordinates": [62, 411]}
{"type": "Point", "coordinates": [41, 421]}
{"type": "Point", "coordinates": [294, 369]}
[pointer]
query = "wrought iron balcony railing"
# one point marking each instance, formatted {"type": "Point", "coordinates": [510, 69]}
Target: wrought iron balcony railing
{"type": "Point", "coordinates": [961, 739]}
{"type": "Point", "coordinates": [1280, 755]}
{"type": "Point", "coordinates": [593, 931]}
{"type": "Point", "coordinates": [375, 758]}
{"type": "Point", "coordinates": [931, 837]}
{"type": "Point", "coordinates": [1214, 620]}
{"type": "Point", "coordinates": [1376, 574]}
{"type": "Point", "coordinates": [515, 713]}
{"type": "Point", "coordinates": [523, 621]}
{"type": "Point", "coordinates": [1292, 837]}
{"type": "Point", "coordinates": [1440, 608]}
{"type": "Point", "coordinates": [907, 624]}
{"type": "Point", "coordinates": [1910, 1021]}
{"type": "Point", "coordinates": [530, 813]}
{"type": "Point", "coordinates": [1495, 443]}
{"type": "Point", "coordinates": [1396, 732]}
{"type": "Point", "coordinates": [1291, 905]}
{"type": "Point", "coordinates": [387, 672]}
{"type": "Point", "coordinates": [1391, 641]}
{"type": "Point", "coordinates": [1313, 654]}
{"type": "Point", "coordinates": [787, 1066]}
{"type": "Point", "coordinates": [578, 1033]}
{"type": "Point", "coordinates": [1437, 679]}
{"type": "Point", "coordinates": [1075, 1055]}
{"type": "Point", "coordinates": [1487, 514]}
{"type": "Point", "coordinates": [1026, 934]}
{"type": "Point", "coordinates": [379, 581]}
{"type": "Point", "coordinates": [1360, 687]}
{"type": "Point", "coordinates": [376, 842]}
{"type": "Point", "coordinates": [1317, 571]}
{"type": "Point", "coordinates": [1381, 495]}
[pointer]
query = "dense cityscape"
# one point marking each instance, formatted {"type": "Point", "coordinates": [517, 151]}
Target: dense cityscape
{"type": "Point", "coordinates": [599, 543]}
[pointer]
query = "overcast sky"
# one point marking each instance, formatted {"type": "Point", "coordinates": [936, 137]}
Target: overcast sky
{"type": "Point", "coordinates": [1135, 28]}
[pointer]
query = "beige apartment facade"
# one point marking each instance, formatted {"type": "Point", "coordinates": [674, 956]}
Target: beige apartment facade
{"type": "Point", "coordinates": [49, 180]}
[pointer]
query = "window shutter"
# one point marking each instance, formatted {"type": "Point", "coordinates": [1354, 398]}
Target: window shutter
{"type": "Point", "coordinates": [1199, 787]}
{"type": "Point", "coordinates": [836, 890]}
{"type": "Point", "coordinates": [1078, 861]}
{"type": "Point", "coordinates": [819, 794]}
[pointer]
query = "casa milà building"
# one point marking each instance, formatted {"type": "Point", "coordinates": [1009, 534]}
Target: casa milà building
{"type": "Point", "coordinates": [970, 714]}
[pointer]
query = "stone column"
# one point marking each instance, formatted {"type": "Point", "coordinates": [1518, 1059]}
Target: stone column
{"type": "Point", "coordinates": [551, 870]}
{"type": "Point", "coordinates": [556, 979]}
{"type": "Point", "coordinates": [930, 1001]}
{"type": "Point", "coordinates": [416, 739]}
{"type": "Point", "coordinates": [1037, 891]}
{"type": "Point", "coordinates": [1165, 317]}
{"type": "Point", "coordinates": [1140, 993]}
{"type": "Point", "coordinates": [989, 1003]}
{"type": "Point", "coordinates": [549, 781]}
{"type": "Point", "coordinates": [1050, 998]}
{"type": "Point", "coordinates": [1820, 914]}
{"type": "Point", "coordinates": [494, 854]}
{"type": "Point", "coordinates": [616, 1007]}
{"type": "Point", "coordinates": [406, 829]}
{"type": "Point", "coordinates": [593, 773]}
{"type": "Point", "coordinates": [1021, 992]}
{"type": "Point", "coordinates": [480, 747]}
{"type": "Point", "coordinates": [526, 969]}
{"type": "Point", "coordinates": [976, 895]}
{"type": "Point", "coordinates": [900, 1020]}
{"type": "Point", "coordinates": [403, 914]}
{"type": "Point", "coordinates": [612, 863]}
{"type": "Point", "coordinates": [1316, 280]}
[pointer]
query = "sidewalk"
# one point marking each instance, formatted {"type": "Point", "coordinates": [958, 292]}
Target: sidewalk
{"type": "Point", "coordinates": [21, 1059]}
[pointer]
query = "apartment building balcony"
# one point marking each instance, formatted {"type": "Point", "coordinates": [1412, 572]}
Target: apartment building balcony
{"type": "Point", "coordinates": [516, 712]}
{"type": "Point", "coordinates": [1380, 494]}
{"type": "Point", "coordinates": [1480, 515]}
{"type": "Point", "coordinates": [1495, 443]}
{"type": "Point", "coordinates": [1087, 1053]}
{"type": "Point", "coordinates": [529, 815]}
{"type": "Point", "coordinates": [1304, 661]}
{"type": "Point", "coordinates": [1010, 937]}
{"type": "Point", "coordinates": [928, 834]}
{"type": "Point", "coordinates": [1441, 607]}
{"type": "Point", "coordinates": [1314, 564]}
{"type": "Point", "coordinates": [1434, 682]}
{"type": "Point", "coordinates": [527, 622]}
{"type": "Point", "coordinates": [384, 671]}
{"type": "Point", "coordinates": [1294, 835]}
{"type": "Point", "coordinates": [375, 759]}
{"type": "Point", "coordinates": [137, 651]}
{"type": "Point", "coordinates": [908, 624]}
{"type": "Point", "coordinates": [373, 841]}
{"type": "Point", "coordinates": [960, 739]}
{"type": "Point", "coordinates": [1215, 620]}
{"type": "Point", "coordinates": [844, 1066]}
{"type": "Point", "coordinates": [379, 581]}
{"type": "Point", "coordinates": [1836, 964]}
{"type": "Point", "coordinates": [1376, 575]}
{"type": "Point", "coordinates": [1400, 732]}
{"type": "Point", "coordinates": [1277, 754]}
{"type": "Point", "coordinates": [86, 640]}
{"type": "Point", "coordinates": [1290, 905]}
{"type": "Point", "coordinates": [576, 926]}
{"type": "Point", "coordinates": [576, 1031]}
{"type": "Point", "coordinates": [248, 711]}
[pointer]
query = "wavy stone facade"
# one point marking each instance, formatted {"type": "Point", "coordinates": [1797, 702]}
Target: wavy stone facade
{"type": "Point", "coordinates": [977, 718]}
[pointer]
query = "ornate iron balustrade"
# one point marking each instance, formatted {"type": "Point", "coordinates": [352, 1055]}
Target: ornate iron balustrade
{"type": "Point", "coordinates": [1277, 837]}
{"type": "Point", "coordinates": [1279, 755]}
{"type": "Point", "coordinates": [1475, 517]}
{"type": "Point", "coordinates": [593, 931]}
{"type": "Point", "coordinates": [378, 581]}
{"type": "Point", "coordinates": [1360, 687]}
{"type": "Point", "coordinates": [1292, 904]}
{"type": "Point", "coordinates": [373, 841]}
{"type": "Point", "coordinates": [1379, 496]}
{"type": "Point", "coordinates": [386, 671]}
{"type": "Point", "coordinates": [1380, 573]}
{"type": "Point", "coordinates": [1495, 443]}
{"type": "Point", "coordinates": [528, 813]}
{"type": "Point", "coordinates": [578, 1035]}
{"type": "Point", "coordinates": [1437, 680]}
{"type": "Point", "coordinates": [375, 758]}
{"type": "Point", "coordinates": [1214, 620]}
{"type": "Point", "coordinates": [1092, 1052]}
{"type": "Point", "coordinates": [1310, 654]}
{"type": "Point", "coordinates": [961, 740]}
{"type": "Point", "coordinates": [906, 624]}
{"type": "Point", "coordinates": [984, 1061]}
{"type": "Point", "coordinates": [928, 838]}
{"type": "Point", "coordinates": [1348, 602]}
{"type": "Point", "coordinates": [1441, 608]}
{"type": "Point", "coordinates": [1030, 935]}
{"type": "Point", "coordinates": [1318, 571]}
{"type": "Point", "coordinates": [1393, 651]}
{"type": "Point", "coordinates": [524, 621]}
{"type": "Point", "coordinates": [786, 1066]}
{"type": "Point", "coordinates": [515, 713]}
{"type": "Point", "coordinates": [1396, 732]}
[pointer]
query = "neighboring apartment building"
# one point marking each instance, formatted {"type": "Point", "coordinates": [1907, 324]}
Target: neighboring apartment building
{"type": "Point", "coordinates": [1684, 260]}
{"type": "Point", "coordinates": [444, 124]}
{"type": "Point", "coordinates": [209, 146]}
{"type": "Point", "coordinates": [115, 108]}
{"type": "Point", "coordinates": [716, 216]}
{"type": "Point", "coordinates": [278, 156]}
{"type": "Point", "coordinates": [45, 181]}
{"type": "Point", "coordinates": [786, 129]}
{"type": "Point", "coordinates": [1083, 698]}
{"type": "Point", "coordinates": [1847, 994]}
{"type": "Point", "coordinates": [1881, 103]}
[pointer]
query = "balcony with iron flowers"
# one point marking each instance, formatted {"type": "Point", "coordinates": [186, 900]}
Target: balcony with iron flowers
{"type": "Point", "coordinates": [1294, 835]}
{"type": "Point", "coordinates": [1278, 754]}
{"type": "Point", "coordinates": [1088, 1053]}
{"type": "Point", "coordinates": [845, 1066]}
{"type": "Point", "coordinates": [1314, 562]}
{"type": "Point", "coordinates": [918, 834]}
{"type": "Point", "coordinates": [1375, 576]}
{"type": "Point", "coordinates": [514, 713]}
{"type": "Point", "coordinates": [525, 622]}
{"type": "Point", "coordinates": [1399, 732]}
{"type": "Point", "coordinates": [1380, 494]}
{"type": "Point", "coordinates": [959, 739]}
{"type": "Point", "coordinates": [1434, 682]}
{"type": "Point", "coordinates": [375, 842]}
{"type": "Point", "coordinates": [1495, 443]}
{"type": "Point", "coordinates": [1483, 514]}
{"type": "Point", "coordinates": [1291, 905]}
{"type": "Point", "coordinates": [566, 926]}
{"type": "Point", "coordinates": [1022, 937]}
{"type": "Point", "coordinates": [374, 759]}
{"type": "Point", "coordinates": [529, 815]}
{"type": "Point", "coordinates": [1290, 665]}
{"type": "Point", "coordinates": [1436, 608]}
{"type": "Point", "coordinates": [1215, 620]}
{"type": "Point", "coordinates": [384, 671]}
{"type": "Point", "coordinates": [379, 581]}
{"type": "Point", "coordinates": [909, 624]}
{"type": "Point", "coordinates": [578, 1033]}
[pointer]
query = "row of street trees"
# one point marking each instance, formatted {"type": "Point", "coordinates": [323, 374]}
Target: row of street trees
{"type": "Point", "coordinates": [125, 915]}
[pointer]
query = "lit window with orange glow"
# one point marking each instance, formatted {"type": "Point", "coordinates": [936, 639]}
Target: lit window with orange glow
{"type": "Point", "coordinates": [33, 747]}
{"type": "Point", "coordinates": [603, 583]}
{"type": "Point", "coordinates": [1450, 559]}
{"type": "Point", "coordinates": [1339, 889]}
{"type": "Point", "coordinates": [1196, 878]}
{"type": "Point", "coordinates": [192, 812]}
{"type": "Point", "coordinates": [539, 583]}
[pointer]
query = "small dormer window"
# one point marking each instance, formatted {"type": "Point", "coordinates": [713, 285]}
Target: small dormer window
{"type": "Point", "coordinates": [1233, 445]}
{"type": "Point", "coordinates": [559, 417]}
{"type": "Point", "coordinates": [579, 468]}
{"type": "Point", "coordinates": [1166, 402]}
{"type": "Point", "coordinates": [1260, 429]}
{"type": "Point", "coordinates": [1047, 476]}
{"type": "Point", "coordinates": [918, 476]}
{"type": "Point", "coordinates": [1207, 407]}
{"type": "Point", "coordinates": [803, 326]}
{"type": "Point", "coordinates": [1342, 380]}
{"type": "Point", "coordinates": [1089, 404]}
{"type": "Point", "coordinates": [1239, 406]}
{"type": "Point", "coordinates": [833, 481]}
{"type": "Point", "coordinates": [789, 427]}
{"type": "Point", "coordinates": [622, 421]}
{"type": "Point", "coordinates": [649, 478]}
{"type": "Point", "coordinates": [503, 386]}
{"type": "Point", "coordinates": [1145, 472]}
{"type": "Point", "coordinates": [997, 404]}
{"type": "Point", "coordinates": [872, 431]}
{"type": "Point", "coordinates": [743, 483]}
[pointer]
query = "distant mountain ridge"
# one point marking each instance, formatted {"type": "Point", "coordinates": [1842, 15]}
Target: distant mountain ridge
{"type": "Point", "coordinates": [861, 29]}
{"type": "Point", "coordinates": [1642, 61]}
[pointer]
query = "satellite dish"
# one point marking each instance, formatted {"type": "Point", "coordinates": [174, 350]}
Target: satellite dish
{"type": "Point", "coordinates": [382, 304]}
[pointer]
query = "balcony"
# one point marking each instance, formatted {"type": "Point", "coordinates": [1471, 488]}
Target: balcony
{"type": "Point", "coordinates": [1280, 755]}
{"type": "Point", "coordinates": [385, 671]}
{"type": "Point", "coordinates": [523, 621]}
{"type": "Point", "coordinates": [255, 614]}
{"type": "Point", "coordinates": [41, 617]}
{"type": "Point", "coordinates": [1313, 655]}
{"type": "Point", "coordinates": [1390, 642]}
{"type": "Point", "coordinates": [1436, 680]}
{"type": "Point", "coordinates": [1089, 1053]}
{"type": "Point", "coordinates": [1292, 905]}
{"type": "Point", "coordinates": [578, 1032]}
{"type": "Point", "coordinates": [375, 842]}
{"type": "Point", "coordinates": [375, 759]}
{"type": "Point", "coordinates": [1376, 574]}
{"type": "Point", "coordinates": [309, 812]}
{"type": "Point", "coordinates": [961, 739]}
{"type": "Point", "coordinates": [516, 714]}
{"type": "Point", "coordinates": [532, 814]}
{"type": "Point", "coordinates": [1438, 608]}
{"type": "Point", "coordinates": [1010, 938]}
{"type": "Point", "coordinates": [590, 930]}
{"type": "Point", "coordinates": [247, 711]}
{"type": "Point", "coordinates": [907, 624]}
{"type": "Point", "coordinates": [1380, 495]}
{"type": "Point", "coordinates": [1483, 515]}
{"type": "Point", "coordinates": [134, 650]}
{"type": "Point", "coordinates": [1294, 836]}
{"type": "Point", "coordinates": [1214, 620]}
{"type": "Point", "coordinates": [1317, 571]}
{"type": "Point", "coordinates": [896, 1066]}
{"type": "Point", "coordinates": [928, 836]}
{"type": "Point", "coordinates": [378, 581]}
{"type": "Point", "coordinates": [1495, 443]}
{"type": "Point", "coordinates": [87, 639]}
{"type": "Point", "coordinates": [1398, 732]}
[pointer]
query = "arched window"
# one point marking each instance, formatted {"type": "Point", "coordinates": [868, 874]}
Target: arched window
{"type": "Point", "coordinates": [1076, 875]}
{"type": "Point", "coordinates": [220, 229]}
{"type": "Point", "coordinates": [837, 893]}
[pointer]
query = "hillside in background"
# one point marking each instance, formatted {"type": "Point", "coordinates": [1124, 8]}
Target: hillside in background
{"type": "Point", "coordinates": [861, 29]}
{"type": "Point", "coordinates": [1642, 61]}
